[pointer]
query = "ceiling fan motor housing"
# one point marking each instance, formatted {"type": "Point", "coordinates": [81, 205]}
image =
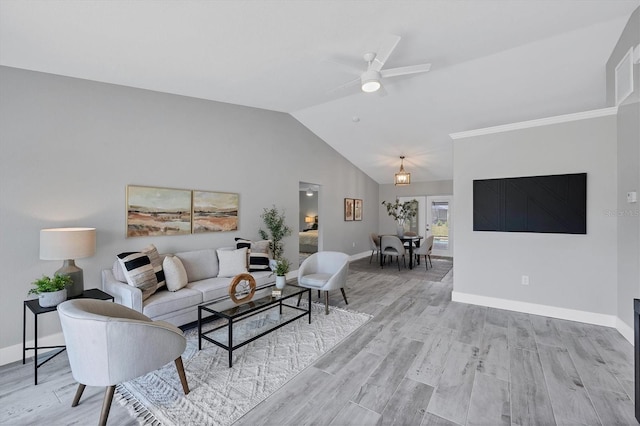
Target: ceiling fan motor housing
{"type": "Point", "coordinates": [370, 81]}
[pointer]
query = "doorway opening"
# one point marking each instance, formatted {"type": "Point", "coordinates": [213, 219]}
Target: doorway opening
{"type": "Point", "coordinates": [309, 240]}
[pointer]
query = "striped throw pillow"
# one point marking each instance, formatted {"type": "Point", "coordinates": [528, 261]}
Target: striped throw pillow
{"type": "Point", "coordinates": [257, 254]}
{"type": "Point", "coordinates": [139, 271]}
{"type": "Point", "coordinates": [156, 262]}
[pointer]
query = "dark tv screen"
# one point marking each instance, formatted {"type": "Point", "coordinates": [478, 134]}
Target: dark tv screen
{"type": "Point", "coordinates": [548, 204]}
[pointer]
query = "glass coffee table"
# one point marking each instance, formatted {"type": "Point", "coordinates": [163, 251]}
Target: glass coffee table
{"type": "Point", "coordinates": [279, 311]}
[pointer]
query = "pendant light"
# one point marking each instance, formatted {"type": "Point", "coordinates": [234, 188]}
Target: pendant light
{"type": "Point", "coordinates": [402, 178]}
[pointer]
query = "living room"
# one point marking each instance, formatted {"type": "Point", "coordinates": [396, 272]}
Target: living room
{"type": "Point", "coordinates": [70, 146]}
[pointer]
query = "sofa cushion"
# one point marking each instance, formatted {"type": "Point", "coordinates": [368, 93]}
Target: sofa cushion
{"type": "Point", "coordinates": [164, 301]}
{"type": "Point", "coordinates": [212, 288]}
{"type": "Point", "coordinates": [232, 262]}
{"type": "Point", "coordinates": [139, 272]}
{"type": "Point", "coordinates": [156, 262]}
{"type": "Point", "coordinates": [199, 264]}
{"type": "Point", "coordinates": [174, 272]}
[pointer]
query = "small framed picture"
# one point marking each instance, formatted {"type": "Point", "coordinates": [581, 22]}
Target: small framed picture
{"type": "Point", "coordinates": [348, 209]}
{"type": "Point", "coordinates": [357, 209]}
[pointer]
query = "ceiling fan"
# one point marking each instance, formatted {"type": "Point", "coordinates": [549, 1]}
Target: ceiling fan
{"type": "Point", "coordinates": [371, 79]}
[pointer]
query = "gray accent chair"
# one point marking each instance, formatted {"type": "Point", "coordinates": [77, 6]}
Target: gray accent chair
{"type": "Point", "coordinates": [325, 271]}
{"type": "Point", "coordinates": [425, 250]}
{"type": "Point", "coordinates": [108, 343]}
{"type": "Point", "coordinates": [392, 246]}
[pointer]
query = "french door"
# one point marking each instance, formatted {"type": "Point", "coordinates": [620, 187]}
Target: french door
{"type": "Point", "coordinates": [439, 211]}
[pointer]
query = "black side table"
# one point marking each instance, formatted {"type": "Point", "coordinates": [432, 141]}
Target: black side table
{"type": "Point", "coordinates": [35, 307]}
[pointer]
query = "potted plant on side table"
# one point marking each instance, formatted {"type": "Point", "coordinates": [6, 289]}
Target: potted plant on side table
{"type": "Point", "coordinates": [51, 291]}
{"type": "Point", "coordinates": [281, 270]}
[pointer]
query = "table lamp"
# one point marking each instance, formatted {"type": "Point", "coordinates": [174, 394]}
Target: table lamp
{"type": "Point", "coordinates": [68, 244]}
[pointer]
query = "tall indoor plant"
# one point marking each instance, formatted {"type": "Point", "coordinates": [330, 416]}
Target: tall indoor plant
{"type": "Point", "coordinates": [401, 212]}
{"type": "Point", "coordinates": [274, 221]}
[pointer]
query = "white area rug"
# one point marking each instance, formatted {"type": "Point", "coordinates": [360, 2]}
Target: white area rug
{"type": "Point", "coordinates": [220, 395]}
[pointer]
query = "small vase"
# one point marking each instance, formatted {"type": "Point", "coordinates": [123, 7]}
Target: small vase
{"type": "Point", "coordinates": [53, 298]}
{"type": "Point", "coordinates": [400, 230]}
{"type": "Point", "coordinates": [281, 280]}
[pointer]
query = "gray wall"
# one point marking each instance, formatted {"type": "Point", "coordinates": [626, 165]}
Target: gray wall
{"type": "Point", "coordinates": [390, 192]}
{"type": "Point", "coordinates": [575, 272]}
{"type": "Point", "coordinates": [628, 144]}
{"type": "Point", "coordinates": [629, 38]}
{"type": "Point", "coordinates": [70, 147]}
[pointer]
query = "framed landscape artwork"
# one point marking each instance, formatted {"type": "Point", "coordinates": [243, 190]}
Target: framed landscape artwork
{"type": "Point", "coordinates": [158, 211]}
{"type": "Point", "coordinates": [215, 211]}
{"type": "Point", "coordinates": [348, 209]}
{"type": "Point", "coordinates": [357, 209]}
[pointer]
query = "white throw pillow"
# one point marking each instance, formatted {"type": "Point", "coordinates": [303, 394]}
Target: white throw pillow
{"type": "Point", "coordinates": [174, 273]}
{"type": "Point", "coordinates": [232, 262]}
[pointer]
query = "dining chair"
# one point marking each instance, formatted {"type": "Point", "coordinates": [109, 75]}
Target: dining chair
{"type": "Point", "coordinates": [392, 246]}
{"type": "Point", "coordinates": [374, 245]}
{"type": "Point", "coordinates": [108, 343]}
{"type": "Point", "coordinates": [425, 250]}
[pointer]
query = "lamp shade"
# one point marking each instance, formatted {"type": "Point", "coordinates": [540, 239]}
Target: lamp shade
{"type": "Point", "coordinates": [309, 219]}
{"type": "Point", "coordinates": [67, 243]}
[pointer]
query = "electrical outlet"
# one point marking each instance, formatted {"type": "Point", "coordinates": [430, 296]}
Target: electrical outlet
{"type": "Point", "coordinates": [525, 280]}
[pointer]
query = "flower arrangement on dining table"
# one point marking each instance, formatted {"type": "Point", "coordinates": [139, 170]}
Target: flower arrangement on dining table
{"type": "Point", "coordinates": [401, 211]}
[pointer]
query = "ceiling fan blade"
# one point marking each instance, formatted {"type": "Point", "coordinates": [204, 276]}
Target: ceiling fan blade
{"type": "Point", "coordinates": [412, 69]}
{"type": "Point", "coordinates": [345, 66]}
{"type": "Point", "coordinates": [384, 52]}
{"type": "Point", "coordinates": [346, 85]}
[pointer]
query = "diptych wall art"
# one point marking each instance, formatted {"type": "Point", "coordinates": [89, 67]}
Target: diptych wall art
{"type": "Point", "coordinates": [155, 211]}
{"type": "Point", "coordinates": [357, 209]}
{"type": "Point", "coordinates": [214, 211]}
{"type": "Point", "coordinates": [348, 209]}
{"type": "Point", "coordinates": [158, 211]}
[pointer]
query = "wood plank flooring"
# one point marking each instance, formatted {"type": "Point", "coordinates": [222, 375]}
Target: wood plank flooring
{"type": "Point", "coordinates": [421, 360]}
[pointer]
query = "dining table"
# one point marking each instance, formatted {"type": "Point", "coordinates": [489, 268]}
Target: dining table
{"type": "Point", "coordinates": [414, 241]}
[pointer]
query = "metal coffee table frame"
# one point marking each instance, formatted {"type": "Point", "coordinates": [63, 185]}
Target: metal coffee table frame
{"type": "Point", "coordinates": [247, 310]}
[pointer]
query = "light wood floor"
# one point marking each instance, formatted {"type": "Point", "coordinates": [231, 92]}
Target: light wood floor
{"type": "Point", "coordinates": [421, 360]}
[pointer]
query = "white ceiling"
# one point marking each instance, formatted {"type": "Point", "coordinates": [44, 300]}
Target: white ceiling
{"type": "Point", "coordinates": [493, 62]}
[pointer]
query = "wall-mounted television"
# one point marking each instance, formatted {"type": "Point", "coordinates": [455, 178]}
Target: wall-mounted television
{"type": "Point", "coordinates": [548, 204]}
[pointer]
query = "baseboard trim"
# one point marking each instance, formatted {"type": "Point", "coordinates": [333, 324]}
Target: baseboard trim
{"type": "Point", "coordinates": [14, 353]}
{"type": "Point", "coordinates": [536, 309]}
{"type": "Point", "coordinates": [359, 256]}
{"type": "Point", "coordinates": [625, 330]}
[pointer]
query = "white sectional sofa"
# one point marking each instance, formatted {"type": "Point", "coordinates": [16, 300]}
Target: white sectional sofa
{"type": "Point", "coordinates": [181, 307]}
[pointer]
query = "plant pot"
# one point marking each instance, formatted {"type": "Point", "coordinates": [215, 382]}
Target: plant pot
{"type": "Point", "coordinates": [281, 281]}
{"type": "Point", "coordinates": [53, 298]}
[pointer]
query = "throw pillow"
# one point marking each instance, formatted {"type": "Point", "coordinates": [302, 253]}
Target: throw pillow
{"type": "Point", "coordinates": [174, 272]}
{"type": "Point", "coordinates": [232, 262]}
{"type": "Point", "coordinates": [156, 262]}
{"type": "Point", "coordinates": [139, 272]}
{"type": "Point", "coordinates": [257, 253]}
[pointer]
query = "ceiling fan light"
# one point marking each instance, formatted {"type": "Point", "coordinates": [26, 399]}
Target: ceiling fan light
{"type": "Point", "coordinates": [370, 81]}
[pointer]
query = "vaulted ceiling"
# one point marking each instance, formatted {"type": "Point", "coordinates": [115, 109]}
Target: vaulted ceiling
{"type": "Point", "coordinates": [493, 62]}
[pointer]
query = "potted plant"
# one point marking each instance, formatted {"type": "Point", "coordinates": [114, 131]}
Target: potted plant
{"type": "Point", "coordinates": [281, 269]}
{"type": "Point", "coordinates": [51, 291]}
{"type": "Point", "coordinates": [401, 212]}
{"type": "Point", "coordinates": [274, 221]}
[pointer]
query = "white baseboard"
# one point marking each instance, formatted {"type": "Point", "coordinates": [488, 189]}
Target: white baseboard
{"type": "Point", "coordinates": [625, 330]}
{"type": "Point", "coordinates": [359, 255]}
{"type": "Point", "coordinates": [14, 353]}
{"type": "Point", "coordinates": [547, 311]}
